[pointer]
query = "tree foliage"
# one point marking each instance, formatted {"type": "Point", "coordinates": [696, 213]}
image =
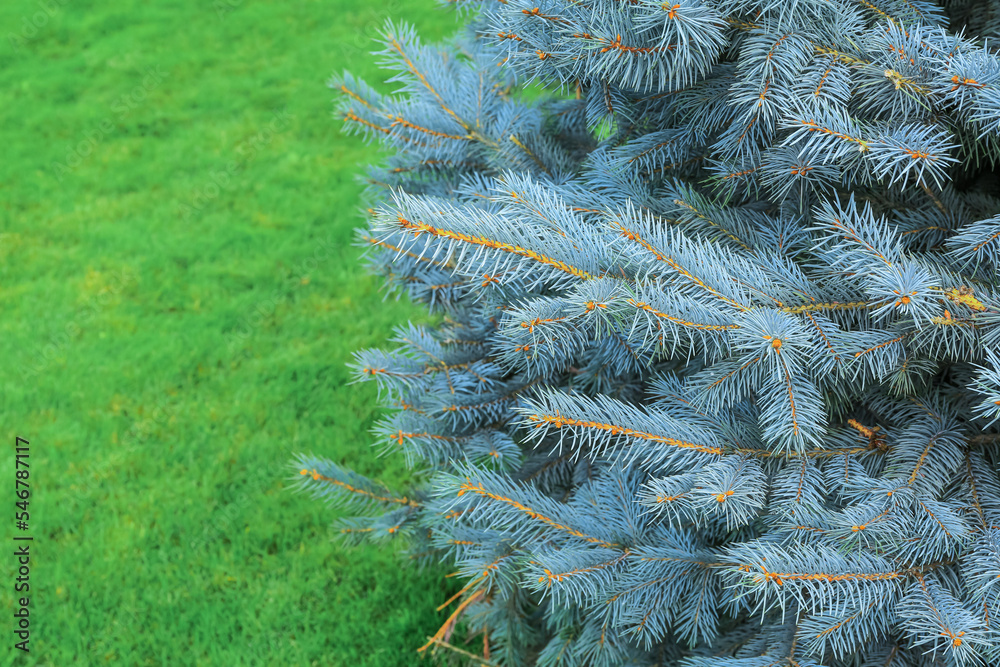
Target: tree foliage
{"type": "Point", "coordinates": [715, 381]}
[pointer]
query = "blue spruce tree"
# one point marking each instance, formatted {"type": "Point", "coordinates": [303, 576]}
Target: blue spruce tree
{"type": "Point", "coordinates": [715, 381]}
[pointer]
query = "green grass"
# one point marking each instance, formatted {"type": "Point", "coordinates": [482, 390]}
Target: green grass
{"type": "Point", "coordinates": [167, 344]}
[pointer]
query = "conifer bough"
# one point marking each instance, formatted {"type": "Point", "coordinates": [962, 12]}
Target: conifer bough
{"type": "Point", "coordinates": [715, 382]}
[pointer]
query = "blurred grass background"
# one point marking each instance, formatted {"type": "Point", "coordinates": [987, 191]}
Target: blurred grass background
{"type": "Point", "coordinates": [179, 297]}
